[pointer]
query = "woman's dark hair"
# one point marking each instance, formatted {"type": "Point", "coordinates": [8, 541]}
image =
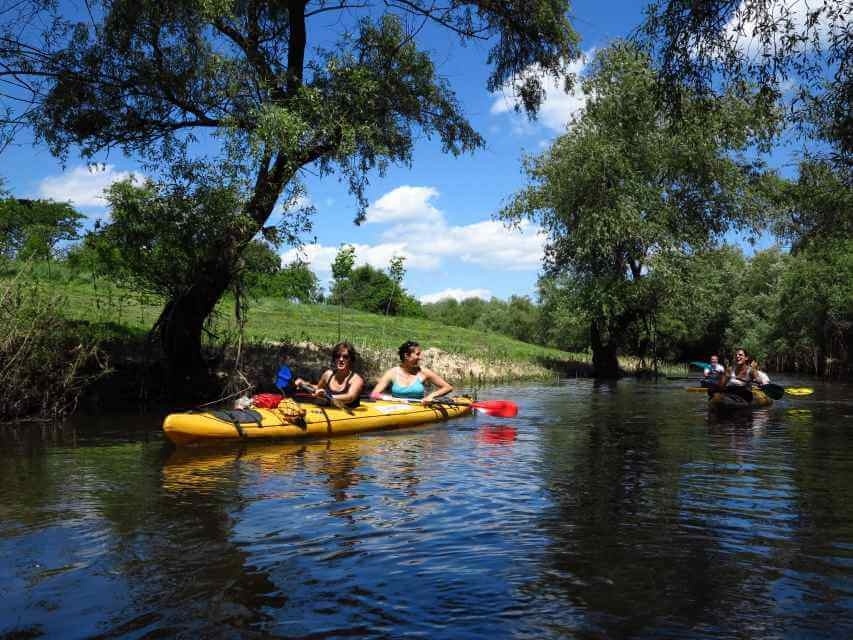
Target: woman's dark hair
{"type": "Point", "coordinates": [341, 346]}
{"type": "Point", "coordinates": [406, 348]}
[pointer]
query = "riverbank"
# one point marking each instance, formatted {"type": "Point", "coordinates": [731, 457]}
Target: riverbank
{"type": "Point", "coordinates": [129, 373]}
{"type": "Point", "coordinates": [138, 381]}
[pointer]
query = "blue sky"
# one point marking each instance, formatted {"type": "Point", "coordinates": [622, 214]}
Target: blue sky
{"type": "Point", "coordinates": [437, 213]}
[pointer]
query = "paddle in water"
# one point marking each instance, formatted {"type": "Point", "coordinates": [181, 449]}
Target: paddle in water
{"type": "Point", "coordinates": [496, 408]}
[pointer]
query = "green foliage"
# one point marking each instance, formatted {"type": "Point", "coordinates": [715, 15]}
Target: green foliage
{"type": "Point", "coordinates": [817, 206]}
{"type": "Point", "coordinates": [35, 228]}
{"type": "Point", "coordinates": [627, 190]}
{"type": "Point", "coordinates": [294, 282]}
{"type": "Point", "coordinates": [45, 360]}
{"type": "Point", "coordinates": [148, 73]}
{"type": "Point", "coordinates": [342, 264]}
{"type": "Point", "coordinates": [755, 303]}
{"type": "Point", "coordinates": [699, 306]}
{"type": "Point", "coordinates": [563, 319]}
{"type": "Point", "coordinates": [797, 53]}
{"type": "Point", "coordinates": [262, 274]}
{"type": "Point", "coordinates": [458, 314]}
{"type": "Point", "coordinates": [161, 237]}
{"type": "Point", "coordinates": [372, 290]}
{"type": "Point", "coordinates": [153, 77]}
{"type": "Point", "coordinates": [518, 317]}
{"type": "Point", "coordinates": [815, 310]}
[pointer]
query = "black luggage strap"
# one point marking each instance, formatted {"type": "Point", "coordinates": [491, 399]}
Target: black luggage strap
{"type": "Point", "coordinates": [238, 416]}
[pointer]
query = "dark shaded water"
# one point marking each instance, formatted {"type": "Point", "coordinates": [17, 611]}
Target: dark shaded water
{"type": "Point", "coordinates": [600, 512]}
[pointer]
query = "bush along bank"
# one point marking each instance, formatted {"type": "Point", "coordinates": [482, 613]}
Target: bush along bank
{"type": "Point", "coordinates": [46, 362]}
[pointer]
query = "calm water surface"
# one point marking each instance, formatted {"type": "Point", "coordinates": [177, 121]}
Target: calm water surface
{"type": "Point", "coordinates": [600, 512]}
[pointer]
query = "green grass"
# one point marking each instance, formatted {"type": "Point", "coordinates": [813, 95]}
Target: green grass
{"type": "Point", "coordinates": [101, 302]}
{"type": "Point", "coordinates": [275, 320]}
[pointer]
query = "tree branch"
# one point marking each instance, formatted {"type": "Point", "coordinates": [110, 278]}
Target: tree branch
{"type": "Point", "coordinates": [441, 16]}
{"type": "Point", "coordinates": [340, 7]}
{"type": "Point", "coordinates": [296, 46]}
{"type": "Point", "coordinates": [254, 54]}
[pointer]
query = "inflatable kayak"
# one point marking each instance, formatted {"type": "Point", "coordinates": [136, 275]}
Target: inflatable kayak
{"type": "Point", "coordinates": [295, 420]}
{"type": "Point", "coordinates": [726, 401]}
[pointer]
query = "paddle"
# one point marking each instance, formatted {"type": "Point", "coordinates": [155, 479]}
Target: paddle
{"type": "Point", "coordinates": [701, 365]}
{"type": "Point", "coordinates": [774, 391]}
{"type": "Point", "coordinates": [337, 404]}
{"type": "Point", "coordinates": [496, 408]}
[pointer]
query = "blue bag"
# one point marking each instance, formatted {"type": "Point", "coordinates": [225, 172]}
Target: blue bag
{"type": "Point", "coordinates": [283, 378]}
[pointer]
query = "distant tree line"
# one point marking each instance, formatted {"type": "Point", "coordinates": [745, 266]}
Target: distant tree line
{"type": "Point", "coordinates": [793, 309]}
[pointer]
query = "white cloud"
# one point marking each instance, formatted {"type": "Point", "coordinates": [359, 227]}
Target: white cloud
{"type": "Point", "coordinates": [558, 108]}
{"type": "Point", "coordinates": [405, 203]}
{"type": "Point", "coordinates": [83, 186]}
{"type": "Point", "coordinates": [317, 256]}
{"type": "Point", "coordinates": [428, 241]}
{"type": "Point", "coordinates": [785, 17]}
{"type": "Point", "coordinates": [457, 294]}
{"type": "Point", "coordinates": [320, 257]}
{"type": "Point", "coordinates": [488, 244]}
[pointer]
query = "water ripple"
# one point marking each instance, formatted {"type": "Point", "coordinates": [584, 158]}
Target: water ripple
{"type": "Point", "coordinates": [601, 511]}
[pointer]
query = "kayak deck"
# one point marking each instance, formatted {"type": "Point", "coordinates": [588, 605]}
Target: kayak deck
{"type": "Point", "coordinates": [296, 420]}
{"type": "Point", "coordinates": [723, 401]}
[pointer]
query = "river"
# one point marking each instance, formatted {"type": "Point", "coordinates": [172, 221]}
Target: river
{"type": "Point", "coordinates": [601, 511]}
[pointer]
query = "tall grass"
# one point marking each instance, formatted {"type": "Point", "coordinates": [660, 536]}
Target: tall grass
{"type": "Point", "coordinates": [46, 360]}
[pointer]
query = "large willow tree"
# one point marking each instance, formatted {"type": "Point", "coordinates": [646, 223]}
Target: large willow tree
{"type": "Point", "coordinates": [798, 53]}
{"type": "Point", "coordinates": [628, 190]}
{"type": "Point", "coordinates": [152, 78]}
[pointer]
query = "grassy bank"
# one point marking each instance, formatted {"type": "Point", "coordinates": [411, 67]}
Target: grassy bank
{"type": "Point", "coordinates": [272, 322]}
{"type": "Point", "coordinates": [99, 312]}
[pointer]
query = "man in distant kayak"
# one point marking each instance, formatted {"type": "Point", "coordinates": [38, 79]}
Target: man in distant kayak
{"type": "Point", "coordinates": [716, 368]}
{"type": "Point", "coordinates": [713, 373]}
{"type": "Point", "coordinates": [741, 377]}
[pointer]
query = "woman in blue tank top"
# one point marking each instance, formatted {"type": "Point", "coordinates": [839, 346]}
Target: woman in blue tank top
{"type": "Point", "coordinates": [409, 378]}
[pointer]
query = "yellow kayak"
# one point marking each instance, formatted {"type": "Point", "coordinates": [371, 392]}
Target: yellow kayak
{"type": "Point", "coordinates": [296, 420]}
{"type": "Point", "coordinates": [724, 401]}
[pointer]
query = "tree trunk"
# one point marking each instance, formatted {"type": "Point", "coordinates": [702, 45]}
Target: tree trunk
{"type": "Point", "coordinates": [604, 351]}
{"type": "Point", "coordinates": [181, 323]}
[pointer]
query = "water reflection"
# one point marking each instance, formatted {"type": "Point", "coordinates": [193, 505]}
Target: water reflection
{"type": "Point", "coordinates": [602, 510]}
{"type": "Point", "coordinates": [496, 434]}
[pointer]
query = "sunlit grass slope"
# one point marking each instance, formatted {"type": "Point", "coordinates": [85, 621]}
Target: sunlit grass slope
{"type": "Point", "coordinates": [270, 320]}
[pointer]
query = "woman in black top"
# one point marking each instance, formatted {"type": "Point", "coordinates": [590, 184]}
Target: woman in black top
{"type": "Point", "coordinates": [340, 383]}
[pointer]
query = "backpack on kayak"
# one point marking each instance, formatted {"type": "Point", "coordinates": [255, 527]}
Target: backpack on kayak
{"type": "Point", "coordinates": [266, 400]}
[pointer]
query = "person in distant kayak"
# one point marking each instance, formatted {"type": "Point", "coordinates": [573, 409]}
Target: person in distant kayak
{"type": "Point", "coordinates": [716, 368]}
{"type": "Point", "coordinates": [408, 380]}
{"type": "Point", "coordinates": [740, 376]}
{"type": "Point", "coordinates": [712, 374]}
{"type": "Point", "coordinates": [340, 382]}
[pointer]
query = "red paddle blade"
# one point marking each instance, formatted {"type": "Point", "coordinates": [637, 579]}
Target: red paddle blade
{"type": "Point", "coordinates": [498, 408]}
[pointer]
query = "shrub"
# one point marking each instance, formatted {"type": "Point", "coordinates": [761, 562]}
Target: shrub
{"type": "Point", "coordinates": [44, 363]}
